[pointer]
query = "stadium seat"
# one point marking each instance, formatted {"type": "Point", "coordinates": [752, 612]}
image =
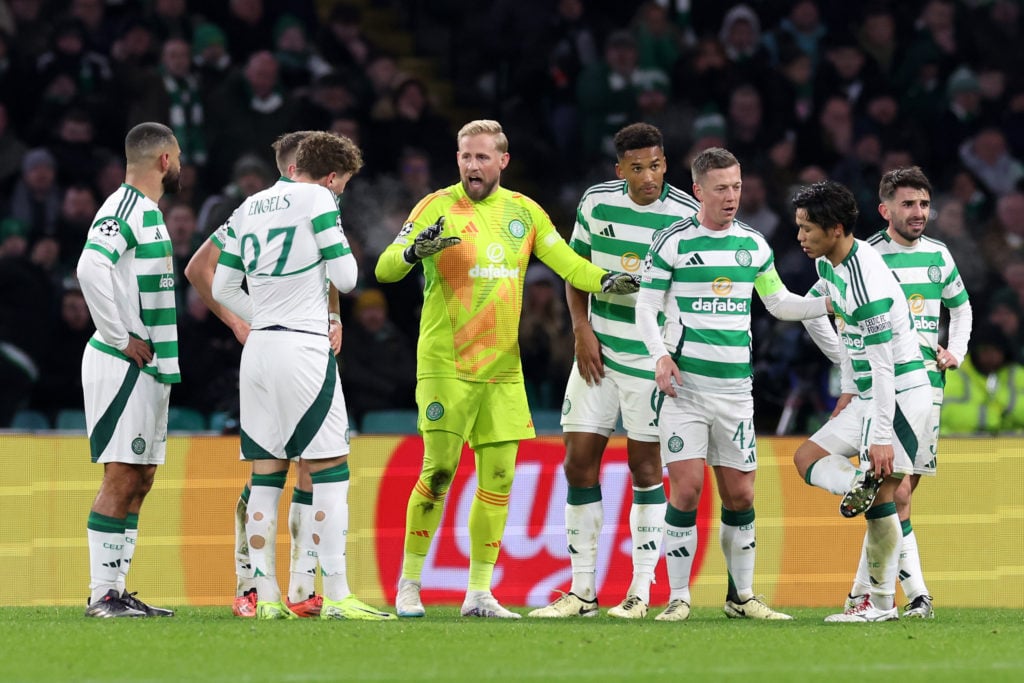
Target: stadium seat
{"type": "Point", "coordinates": [389, 422]}
{"type": "Point", "coordinates": [185, 420]}
{"type": "Point", "coordinates": [218, 421]}
{"type": "Point", "coordinates": [30, 421]}
{"type": "Point", "coordinates": [71, 420]}
{"type": "Point", "coordinates": [547, 421]}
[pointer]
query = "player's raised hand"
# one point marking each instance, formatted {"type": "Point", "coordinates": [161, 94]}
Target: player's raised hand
{"type": "Point", "coordinates": [429, 242]}
{"type": "Point", "coordinates": [620, 283]}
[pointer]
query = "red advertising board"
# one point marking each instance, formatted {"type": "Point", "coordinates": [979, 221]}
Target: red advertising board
{"type": "Point", "coordinates": [534, 561]}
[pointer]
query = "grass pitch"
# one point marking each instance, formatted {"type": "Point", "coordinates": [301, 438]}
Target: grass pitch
{"type": "Point", "coordinates": [208, 644]}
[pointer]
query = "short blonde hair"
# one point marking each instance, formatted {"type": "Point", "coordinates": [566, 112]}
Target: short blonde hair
{"type": "Point", "coordinates": [485, 127]}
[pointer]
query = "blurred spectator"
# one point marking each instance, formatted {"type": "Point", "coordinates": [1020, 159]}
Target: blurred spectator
{"type": "Point", "coordinates": [210, 57]}
{"type": "Point", "coordinates": [1004, 312]}
{"type": "Point", "coordinates": [378, 364]}
{"type": "Point", "coordinates": [209, 356]}
{"type": "Point", "coordinates": [959, 120]}
{"type": "Point", "coordinates": [878, 38]}
{"type": "Point", "coordinates": [36, 197]}
{"type": "Point", "coordinates": [246, 115]}
{"type": "Point", "coordinates": [552, 66]}
{"type": "Point", "coordinates": [331, 96]}
{"type": "Point", "coordinates": [300, 64]}
{"type": "Point", "coordinates": [60, 381]}
{"type": "Point", "coordinates": [97, 28]}
{"type": "Point", "coordinates": [999, 34]}
{"type": "Point", "coordinates": [987, 157]}
{"type": "Point", "coordinates": [748, 134]}
{"type": "Point", "coordinates": [740, 36]}
{"type": "Point", "coordinates": [181, 229]}
{"type": "Point", "coordinates": [31, 30]}
{"type": "Point", "coordinates": [829, 138]}
{"type": "Point", "coordinates": [249, 175]}
{"type": "Point", "coordinates": [70, 74]}
{"type": "Point", "coordinates": [172, 95]}
{"type": "Point", "coordinates": [789, 91]}
{"type": "Point", "coordinates": [77, 211]}
{"type": "Point", "coordinates": [341, 40]}
{"type": "Point", "coordinates": [986, 394]}
{"type": "Point", "coordinates": [657, 38]}
{"type": "Point", "coordinates": [26, 314]}
{"type": "Point", "coordinates": [77, 155]}
{"type": "Point", "coordinates": [846, 70]}
{"type": "Point", "coordinates": [12, 149]}
{"type": "Point", "coordinates": [1003, 238]}
{"type": "Point", "coordinates": [544, 328]}
{"type": "Point", "coordinates": [110, 175]}
{"type": "Point", "coordinates": [754, 209]}
{"type": "Point", "coordinates": [938, 43]}
{"type": "Point", "coordinates": [171, 20]}
{"type": "Point", "coordinates": [416, 123]}
{"type": "Point", "coordinates": [706, 77]}
{"type": "Point", "coordinates": [616, 91]}
{"type": "Point", "coordinates": [802, 27]}
{"type": "Point", "coordinates": [383, 76]}
{"type": "Point", "coordinates": [375, 210]}
{"type": "Point", "coordinates": [950, 227]}
{"type": "Point", "coordinates": [248, 29]}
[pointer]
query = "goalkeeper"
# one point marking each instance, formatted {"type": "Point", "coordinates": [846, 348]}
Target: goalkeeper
{"type": "Point", "coordinates": [474, 239]}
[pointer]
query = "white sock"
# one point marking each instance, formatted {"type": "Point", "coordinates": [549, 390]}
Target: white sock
{"type": "Point", "coordinates": [131, 537]}
{"type": "Point", "coordinates": [243, 566]}
{"type": "Point", "coordinates": [737, 538]}
{"type": "Point", "coordinates": [106, 544]}
{"type": "Point", "coordinates": [680, 548]}
{"type": "Point", "coordinates": [834, 473]}
{"type": "Point", "coordinates": [647, 528]}
{"type": "Point", "coordinates": [302, 576]}
{"type": "Point", "coordinates": [910, 574]}
{"type": "Point", "coordinates": [261, 530]}
{"type": "Point", "coordinates": [584, 516]}
{"type": "Point", "coordinates": [862, 582]}
{"type": "Point", "coordinates": [883, 550]}
{"type": "Point", "coordinates": [330, 529]}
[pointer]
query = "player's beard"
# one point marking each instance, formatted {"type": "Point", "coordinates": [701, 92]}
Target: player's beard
{"type": "Point", "coordinates": [172, 180]}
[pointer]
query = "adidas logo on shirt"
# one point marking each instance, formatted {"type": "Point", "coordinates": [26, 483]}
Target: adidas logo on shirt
{"type": "Point", "coordinates": [694, 260]}
{"type": "Point", "coordinates": [608, 232]}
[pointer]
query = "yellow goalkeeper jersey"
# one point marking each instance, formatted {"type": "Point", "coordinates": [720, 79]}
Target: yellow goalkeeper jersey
{"type": "Point", "coordinates": [473, 295]}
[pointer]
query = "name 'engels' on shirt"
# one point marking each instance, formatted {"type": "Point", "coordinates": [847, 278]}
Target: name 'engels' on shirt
{"type": "Point", "coordinates": [270, 204]}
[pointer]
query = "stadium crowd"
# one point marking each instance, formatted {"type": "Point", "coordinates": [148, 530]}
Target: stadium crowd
{"type": "Point", "coordinates": [798, 90]}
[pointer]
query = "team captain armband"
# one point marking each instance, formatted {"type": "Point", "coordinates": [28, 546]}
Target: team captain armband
{"type": "Point", "coordinates": [768, 283]}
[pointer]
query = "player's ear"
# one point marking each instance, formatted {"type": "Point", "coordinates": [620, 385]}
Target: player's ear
{"type": "Point", "coordinates": [504, 161]}
{"type": "Point", "coordinates": [883, 210]}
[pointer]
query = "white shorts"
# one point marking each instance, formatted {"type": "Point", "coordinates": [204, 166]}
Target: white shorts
{"type": "Point", "coordinates": [716, 427]}
{"type": "Point", "coordinates": [927, 450]}
{"type": "Point", "coordinates": [290, 398]}
{"type": "Point", "coordinates": [125, 410]}
{"type": "Point", "coordinates": [595, 409]}
{"type": "Point", "coordinates": [847, 433]}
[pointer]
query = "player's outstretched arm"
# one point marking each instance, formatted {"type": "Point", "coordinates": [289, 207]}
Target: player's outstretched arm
{"type": "Point", "coordinates": [199, 273]}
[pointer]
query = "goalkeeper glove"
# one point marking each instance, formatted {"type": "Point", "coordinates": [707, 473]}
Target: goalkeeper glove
{"type": "Point", "coordinates": [429, 242]}
{"type": "Point", "coordinates": [620, 283]}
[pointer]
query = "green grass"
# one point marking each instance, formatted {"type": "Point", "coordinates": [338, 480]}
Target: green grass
{"type": "Point", "coordinates": [208, 644]}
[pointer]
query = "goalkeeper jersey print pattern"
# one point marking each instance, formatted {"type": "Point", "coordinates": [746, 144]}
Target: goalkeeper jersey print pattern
{"type": "Point", "coordinates": [615, 232]}
{"type": "Point", "coordinates": [707, 278]}
{"type": "Point", "coordinates": [472, 297]}
{"type": "Point", "coordinates": [129, 230]}
{"type": "Point", "coordinates": [929, 279]}
{"type": "Point", "coordinates": [282, 239]}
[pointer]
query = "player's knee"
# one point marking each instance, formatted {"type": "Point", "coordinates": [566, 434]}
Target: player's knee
{"type": "Point", "coordinates": [439, 481]}
{"type": "Point", "coordinates": [803, 458]}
